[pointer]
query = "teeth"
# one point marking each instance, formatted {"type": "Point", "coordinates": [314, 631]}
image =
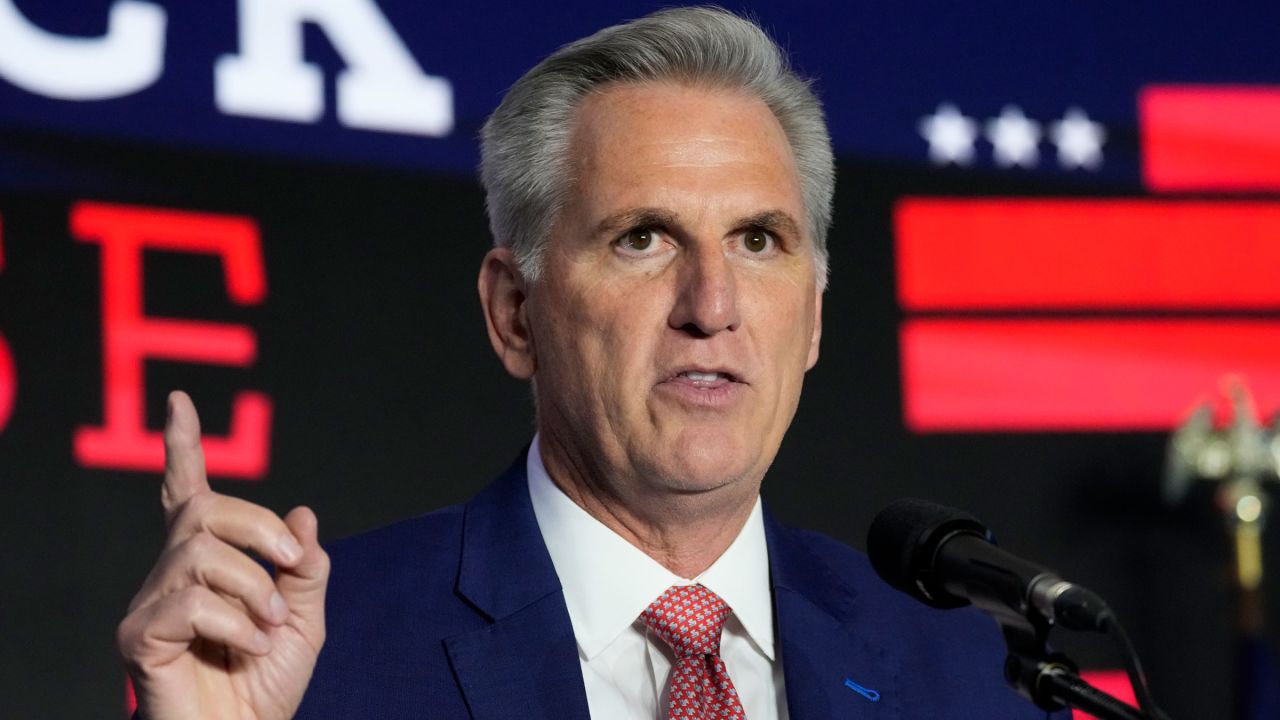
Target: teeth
{"type": "Point", "coordinates": [701, 377]}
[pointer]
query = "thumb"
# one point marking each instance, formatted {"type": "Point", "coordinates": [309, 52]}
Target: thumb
{"type": "Point", "coordinates": [303, 584]}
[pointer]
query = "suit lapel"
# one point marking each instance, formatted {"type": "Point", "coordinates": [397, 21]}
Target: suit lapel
{"type": "Point", "coordinates": [830, 670]}
{"type": "Point", "coordinates": [525, 663]}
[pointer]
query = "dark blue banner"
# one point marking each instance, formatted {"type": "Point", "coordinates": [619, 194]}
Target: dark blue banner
{"type": "Point", "coordinates": [1043, 87]}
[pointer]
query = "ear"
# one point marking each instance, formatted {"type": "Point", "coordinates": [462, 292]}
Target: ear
{"type": "Point", "coordinates": [817, 330]}
{"type": "Point", "coordinates": [502, 297]}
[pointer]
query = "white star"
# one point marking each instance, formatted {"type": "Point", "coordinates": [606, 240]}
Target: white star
{"type": "Point", "coordinates": [1014, 138]}
{"type": "Point", "coordinates": [1079, 140]}
{"type": "Point", "coordinates": [950, 135]}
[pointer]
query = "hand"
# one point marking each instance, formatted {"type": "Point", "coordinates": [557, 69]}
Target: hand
{"type": "Point", "coordinates": [210, 634]}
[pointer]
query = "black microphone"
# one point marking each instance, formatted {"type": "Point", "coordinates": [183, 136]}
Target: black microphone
{"type": "Point", "coordinates": [945, 558]}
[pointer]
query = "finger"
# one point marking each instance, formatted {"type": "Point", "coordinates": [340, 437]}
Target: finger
{"type": "Point", "coordinates": [160, 632]}
{"type": "Point", "coordinates": [238, 523]}
{"type": "Point", "coordinates": [208, 561]}
{"type": "Point", "coordinates": [184, 474]}
{"type": "Point", "coordinates": [303, 585]}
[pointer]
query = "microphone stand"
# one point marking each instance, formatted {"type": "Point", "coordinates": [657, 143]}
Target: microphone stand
{"type": "Point", "coordinates": [1054, 684]}
{"type": "Point", "coordinates": [1050, 680]}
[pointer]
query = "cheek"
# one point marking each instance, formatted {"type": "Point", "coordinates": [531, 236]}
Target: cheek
{"type": "Point", "coordinates": [602, 345]}
{"type": "Point", "coordinates": [788, 323]}
{"type": "Point", "coordinates": [786, 341]}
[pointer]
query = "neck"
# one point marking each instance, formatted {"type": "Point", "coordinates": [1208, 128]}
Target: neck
{"type": "Point", "coordinates": [682, 531]}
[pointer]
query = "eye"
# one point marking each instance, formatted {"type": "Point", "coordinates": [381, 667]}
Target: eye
{"type": "Point", "coordinates": [757, 241]}
{"type": "Point", "coordinates": [640, 241]}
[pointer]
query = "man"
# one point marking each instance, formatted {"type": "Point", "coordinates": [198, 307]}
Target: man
{"type": "Point", "coordinates": [659, 195]}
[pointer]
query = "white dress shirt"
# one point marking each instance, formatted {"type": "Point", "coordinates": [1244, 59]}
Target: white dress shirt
{"type": "Point", "coordinates": [608, 582]}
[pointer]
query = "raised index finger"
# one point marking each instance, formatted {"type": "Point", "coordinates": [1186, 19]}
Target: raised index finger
{"type": "Point", "coordinates": [184, 474]}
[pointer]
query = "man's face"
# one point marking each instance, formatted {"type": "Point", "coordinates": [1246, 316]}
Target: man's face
{"type": "Point", "coordinates": [679, 305]}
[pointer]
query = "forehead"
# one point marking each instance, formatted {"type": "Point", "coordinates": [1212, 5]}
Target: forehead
{"type": "Point", "coordinates": [666, 138]}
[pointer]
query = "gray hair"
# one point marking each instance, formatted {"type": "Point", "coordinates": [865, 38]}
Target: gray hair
{"type": "Point", "coordinates": [524, 145]}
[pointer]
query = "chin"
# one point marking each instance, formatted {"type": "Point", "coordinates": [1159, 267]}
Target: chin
{"type": "Point", "coordinates": [700, 461]}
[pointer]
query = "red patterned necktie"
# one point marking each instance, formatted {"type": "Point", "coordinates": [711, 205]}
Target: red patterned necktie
{"type": "Point", "coordinates": [689, 618]}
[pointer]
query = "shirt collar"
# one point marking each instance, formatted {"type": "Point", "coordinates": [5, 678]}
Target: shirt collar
{"type": "Point", "coordinates": [608, 582]}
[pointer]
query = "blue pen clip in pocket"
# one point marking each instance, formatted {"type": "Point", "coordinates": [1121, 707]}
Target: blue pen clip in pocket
{"type": "Point", "coordinates": [865, 692]}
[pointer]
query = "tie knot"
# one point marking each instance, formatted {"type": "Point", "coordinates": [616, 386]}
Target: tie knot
{"type": "Point", "coordinates": [689, 618]}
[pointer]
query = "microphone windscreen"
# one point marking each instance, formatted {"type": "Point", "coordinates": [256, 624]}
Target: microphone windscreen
{"type": "Point", "coordinates": [902, 542]}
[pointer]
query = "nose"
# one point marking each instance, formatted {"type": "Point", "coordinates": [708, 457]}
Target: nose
{"type": "Point", "coordinates": [706, 300]}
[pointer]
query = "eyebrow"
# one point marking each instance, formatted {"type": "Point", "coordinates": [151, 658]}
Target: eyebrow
{"type": "Point", "coordinates": [775, 221]}
{"type": "Point", "coordinates": [636, 217]}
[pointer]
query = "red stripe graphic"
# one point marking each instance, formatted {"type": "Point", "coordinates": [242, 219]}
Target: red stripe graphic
{"type": "Point", "coordinates": [1112, 682]}
{"type": "Point", "coordinates": [8, 376]}
{"type": "Point", "coordinates": [968, 254]}
{"type": "Point", "coordinates": [1065, 375]}
{"type": "Point", "coordinates": [1210, 137]}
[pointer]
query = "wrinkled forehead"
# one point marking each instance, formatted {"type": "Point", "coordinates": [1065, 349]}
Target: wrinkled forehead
{"type": "Point", "coordinates": [620, 119]}
{"type": "Point", "coordinates": [629, 139]}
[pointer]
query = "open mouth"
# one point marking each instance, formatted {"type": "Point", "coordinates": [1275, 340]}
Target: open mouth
{"type": "Point", "coordinates": [706, 378]}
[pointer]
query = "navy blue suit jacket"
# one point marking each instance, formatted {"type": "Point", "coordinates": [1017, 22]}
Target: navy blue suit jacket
{"type": "Point", "coordinates": [459, 614]}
